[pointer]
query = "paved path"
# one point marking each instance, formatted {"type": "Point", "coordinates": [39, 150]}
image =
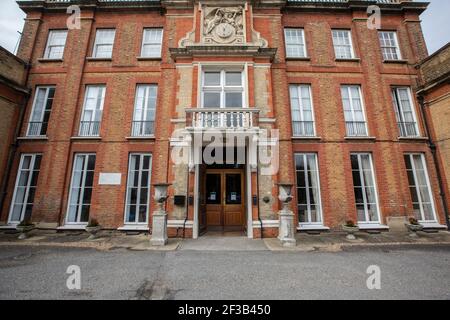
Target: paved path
{"type": "Point", "coordinates": [406, 273]}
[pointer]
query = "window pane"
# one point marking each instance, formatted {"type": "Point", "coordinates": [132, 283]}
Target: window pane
{"type": "Point", "coordinates": [233, 99]}
{"type": "Point", "coordinates": [233, 79]}
{"type": "Point", "coordinates": [212, 78]}
{"type": "Point", "coordinates": [211, 99]}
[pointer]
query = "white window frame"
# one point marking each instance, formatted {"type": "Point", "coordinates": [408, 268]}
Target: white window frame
{"type": "Point", "coordinates": [223, 88]}
{"type": "Point", "coordinates": [308, 185]}
{"type": "Point", "coordinates": [152, 43]}
{"type": "Point", "coordinates": [83, 183]}
{"type": "Point", "coordinates": [44, 109]}
{"type": "Point", "coordinates": [349, 35]}
{"type": "Point", "coordinates": [399, 112]}
{"type": "Point", "coordinates": [363, 186]}
{"type": "Point", "coordinates": [363, 109]}
{"type": "Point", "coordinates": [397, 46]}
{"type": "Point", "coordinates": [97, 44]}
{"type": "Point", "coordinates": [27, 190]}
{"type": "Point", "coordinates": [303, 54]}
{"type": "Point", "coordinates": [144, 110]}
{"type": "Point", "coordinates": [126, 212]}
{"type": "Point", "coordinates": [92, 118]}
{"type": "Point", "coordinates": [49, 44]}
{"type": "Point", "coordinates": [298, 87]}
{"type": "Point", "coordinates": [427, 178]}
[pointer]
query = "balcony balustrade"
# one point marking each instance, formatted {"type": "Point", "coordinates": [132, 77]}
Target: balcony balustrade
{"type": "Point", "coordinates": [222, 118]}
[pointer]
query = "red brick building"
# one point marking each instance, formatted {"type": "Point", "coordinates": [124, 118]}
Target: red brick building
{"type": "Point", "coordinates": [140, 82]}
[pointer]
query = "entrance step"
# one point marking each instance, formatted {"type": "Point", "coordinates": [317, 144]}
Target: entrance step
{"type": "Point", "coordinates": [223, 243]}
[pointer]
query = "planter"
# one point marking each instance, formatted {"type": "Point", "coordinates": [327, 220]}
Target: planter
{"type": "Point", "coordinates": [93, 232]}
{"type": "Point", "coordinates": [24, 230]}
{"type": "Point", "coordinates": [350, 232]}
{"type": "Point", "coordinates": [413, 228]}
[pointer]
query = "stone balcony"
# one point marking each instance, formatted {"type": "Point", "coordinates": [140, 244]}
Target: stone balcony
{"type": "Point", "coordinates": [238, 119]}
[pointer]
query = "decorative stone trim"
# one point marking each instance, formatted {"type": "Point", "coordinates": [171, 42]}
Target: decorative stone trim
{"type": "Point", "coordinates": [218, 50]}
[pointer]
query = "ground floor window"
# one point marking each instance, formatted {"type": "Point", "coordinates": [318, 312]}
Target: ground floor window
{"type": "Point", "coordinates": [138, 189]}
{"type": "Point", "coordinates": [25, 187]}
{"type": "Point", "coordinates": [81, 188]}
{"type": "Point", "coordinates": [419, 186]}
{"type": "Point", "coordinates": [308, 189]}
{"type": "Point", "coordinates": [365, 189]}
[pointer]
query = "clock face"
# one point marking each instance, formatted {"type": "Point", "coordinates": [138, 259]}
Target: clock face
{"type": "Point", "coordinates": [224, 30]}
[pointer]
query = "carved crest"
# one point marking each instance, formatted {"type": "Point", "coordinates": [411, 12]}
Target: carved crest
{"type": "Point", "coordinates": [223, 25]}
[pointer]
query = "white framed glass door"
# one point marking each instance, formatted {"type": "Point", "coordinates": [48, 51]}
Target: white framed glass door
{"type": "Point", "coordinates": [138, 189]}
{"type": "Point", "coordinates": [366, 196]}
{"type": "Point", "coordinates": [308, 189]}
{"type": "Point", "coordinates": [25, 188]}
{"type": "Point", "coordinates": [420, 188]}
{"type": "Point", "coordinates": [81, 186]}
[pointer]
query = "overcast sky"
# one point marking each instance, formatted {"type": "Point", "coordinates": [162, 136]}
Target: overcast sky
{"type": "Point", "coordinates": [435, 24]}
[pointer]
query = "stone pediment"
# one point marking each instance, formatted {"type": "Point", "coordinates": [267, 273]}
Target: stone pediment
{"type": "Point", "coordinates": [223, 30]}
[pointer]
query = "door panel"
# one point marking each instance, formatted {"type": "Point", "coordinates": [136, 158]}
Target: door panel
{"type": "Point", "coordinates": [213, 199]}
{"type": "Point", "coordinates": [225, 199]}
{"type": "Point", "coordinates": [233, 207]}
{"type": "Point", "coordinates": [202, 200]}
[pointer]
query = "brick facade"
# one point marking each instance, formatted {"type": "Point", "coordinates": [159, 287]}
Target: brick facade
{"type": "Point", "coordinates": [434, 89]}
{"type": "Point", "coordinates": [268, 78]}
{"type": "Point", "coordinates": [13, 96]}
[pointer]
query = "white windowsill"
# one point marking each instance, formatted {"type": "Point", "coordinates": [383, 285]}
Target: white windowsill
{"type": "Point", "coordinates": [86, 138]}
{"type": "Point", "coordinates": [149, 58]}
{"type": "Point", "coordinates": [151, 137]}
{"type": "Point", "coordinates": [372, 226]}
{"type": "Point", "coordinates": [33, 138]}
{"type": "Point", "coordinates": [414, 138]}
{"type": "Point", "coordinates": [360, 138]}
{"type": "Point", "coordinates": [8, 226]}
{"type": "Point", "coordinates": [432, 225]}
{"type": "Point", "coordinates": [134, 227]}
{"type": "Point", "coordinates": [307, 227]}
{"type": "Point", "coordinates": [73, 227]}
{"type": "Point", "coordinates": [306, 138]}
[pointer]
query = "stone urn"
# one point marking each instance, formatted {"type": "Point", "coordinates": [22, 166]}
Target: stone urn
{"type": "Point", "coordinates": [286, 229]}
{"type": "Point", "coordinates": [24, 230]}
{"type": "Point", "coordinates": [159, 225]}
{"type": "Point", "coordinates": [413, 228]}
{"type": "Point", "coordinates": [93, 231]}
{"type": "Point", "coordinates": [351, 230]}
{"type": "Point", "coordinates": [161, 194]}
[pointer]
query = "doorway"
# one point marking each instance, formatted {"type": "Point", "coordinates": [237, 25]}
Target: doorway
{"type": "Point", "coordinates": [224, 200]}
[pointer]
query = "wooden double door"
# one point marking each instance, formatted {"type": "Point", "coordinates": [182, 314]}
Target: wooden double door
{"type": "Point", "coordinates": [224, 199]}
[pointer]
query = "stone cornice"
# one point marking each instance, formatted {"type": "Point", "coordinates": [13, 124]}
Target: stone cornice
{"type": "Point", "coordinates": [44, 6]}
{"type": "Point", "coordinates": [223, 50]}
{"type": "Point", "coordinates": [352, 5]}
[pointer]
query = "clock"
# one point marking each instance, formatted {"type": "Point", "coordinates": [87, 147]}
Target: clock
{"type": "Point", "coordinates": [224, 30]}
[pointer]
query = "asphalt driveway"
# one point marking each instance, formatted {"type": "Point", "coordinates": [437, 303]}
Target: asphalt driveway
{"type": "Point", "coordinates": [406, 273]}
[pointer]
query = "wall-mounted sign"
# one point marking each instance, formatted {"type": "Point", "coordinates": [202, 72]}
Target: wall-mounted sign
{"type": "Point", "coordinates": [110, 179]}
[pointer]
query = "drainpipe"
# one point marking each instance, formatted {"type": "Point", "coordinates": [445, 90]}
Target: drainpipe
{"type": "Point", "coordinates": [432, 146]}
{"type": "Point", "coordinates": [187, 204]}
{"type": "Point", "coordinates": [257, 190]}
{"type": "Point", "coordinates": [15, 144]}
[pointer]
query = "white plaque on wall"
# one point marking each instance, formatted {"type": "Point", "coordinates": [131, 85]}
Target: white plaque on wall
{"type": "Point", "coordinates": [110, 179]}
